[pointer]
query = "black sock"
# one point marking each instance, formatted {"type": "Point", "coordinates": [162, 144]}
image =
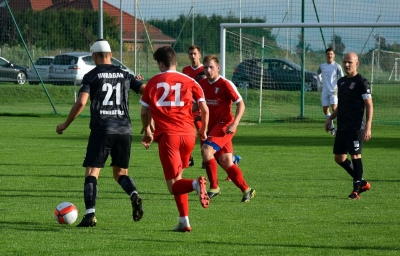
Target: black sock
{"type": "Point", "coordinates": [348, 166]}
{"type": "Point", "coordinates": [90, 192]}
{"type": "Point", "coordinates": [127, 184]}
{"type": "Point", "coordinates": [358, 173]}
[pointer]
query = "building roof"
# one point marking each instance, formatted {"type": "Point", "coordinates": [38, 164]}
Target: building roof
{"type": "Point", "coordinates": [128, 21]}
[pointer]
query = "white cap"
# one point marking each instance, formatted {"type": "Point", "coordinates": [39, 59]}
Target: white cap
{"type": "Point", "coordinates": [100, 45]}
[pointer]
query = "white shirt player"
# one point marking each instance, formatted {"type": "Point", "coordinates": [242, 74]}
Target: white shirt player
{"type": "Point", "coordinates": [328, 74]}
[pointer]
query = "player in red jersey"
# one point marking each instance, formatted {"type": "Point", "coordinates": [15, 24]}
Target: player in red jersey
{"type": "Point", "coordinates": [168, 99]}
{"type": "Point", "coordinates": [193, 70]}
{"type": "Point", "coordinates": [220, 93]}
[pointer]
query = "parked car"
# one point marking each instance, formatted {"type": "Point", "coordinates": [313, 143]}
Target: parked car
{"type": "Point", "coordinates": [278, 74]}
{"type": "Point", "coordinates": [42, 65]}
{"type": "Point", "coordinates": [71, 67]}
{"type": "Point", "coordinates": [12, 72]}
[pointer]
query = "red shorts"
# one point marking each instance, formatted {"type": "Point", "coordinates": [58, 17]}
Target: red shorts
{"type": "Point", "coordinates": [219, 140]}
{"type": "Point", "coordinates": [174, 152]}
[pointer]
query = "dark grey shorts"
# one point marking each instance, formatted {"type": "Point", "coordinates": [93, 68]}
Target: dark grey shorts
{"type": "Point", "coordinates": [350, 142]}
{"type": "Point", "coordinates": [101, 145]}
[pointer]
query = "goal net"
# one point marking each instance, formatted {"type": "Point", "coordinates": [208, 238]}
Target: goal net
{"type": "Point", "coordinates": [283, 59]}
{"type": "Point", "coordinates": [384, 67]}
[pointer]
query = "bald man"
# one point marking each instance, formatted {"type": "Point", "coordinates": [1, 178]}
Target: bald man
{"type": "Point", "coordinates": [354, 98]}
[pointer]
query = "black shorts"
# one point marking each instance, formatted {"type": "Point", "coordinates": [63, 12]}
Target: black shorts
{"type": "Point", "coordinates": [348, 142]}
{"type": "Point", "coordinates": [101, 145]}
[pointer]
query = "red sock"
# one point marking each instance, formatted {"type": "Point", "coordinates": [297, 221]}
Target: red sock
{"type": "Point", "coordinates": [182, 202]}
{"type": "Point", "coordinates": [236, 175]}
{"type": "Point", "coordinates": [212, 172]}
{"type": "Point", "coordinates": [182, 186]}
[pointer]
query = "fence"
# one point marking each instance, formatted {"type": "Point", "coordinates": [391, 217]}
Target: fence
{"type": "Point", "coordinates": [136, 28]}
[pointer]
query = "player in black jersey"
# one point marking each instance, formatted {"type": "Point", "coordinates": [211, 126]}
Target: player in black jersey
{"type": "Point", "coordinates": [111, 132]}
{"type": "Point", "coordinates": [354, 97]}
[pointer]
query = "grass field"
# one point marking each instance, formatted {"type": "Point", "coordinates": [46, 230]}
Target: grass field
{"type": "Point", "coordinates": [301, 207]}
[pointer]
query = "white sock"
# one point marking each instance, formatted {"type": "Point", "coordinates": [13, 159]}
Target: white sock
{"type": "Point", "coordinates": [184, 220]}
{"type": "Point", "coordinates": [195, 186]}
{"type": "Point", "coordinates": [90, 210]}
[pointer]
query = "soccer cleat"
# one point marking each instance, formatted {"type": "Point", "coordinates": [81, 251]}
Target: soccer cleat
{"type": "Point", "coordinates": [137, 210]}
{"type": "Point", "coordinates": [182, 227]}
{"type": "Point", "coordinates": [367, 186]}
{"type": "Point", "coordinates": [247, 196]}
{"type": "Point", "coordinates": [213, 192]}
{"type": "Point", "coordinates": [89, 220]}
{"type": "Point", "coordinates": [333, 132]}
{"type": "Point", "coordinates": [354, 196]}
{"type": "Point", "coordinates": [236, 159]}
{"type": "Point", "coordinates": [191, 161]}
{"type": "Point", "coordinates": [202, 192]}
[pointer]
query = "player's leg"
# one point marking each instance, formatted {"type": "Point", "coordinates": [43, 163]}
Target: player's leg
{"type": "Point", "coordinates": [333, 100]}
{"type": "Point", "coordinates": [325, 100]}
{"type": "Point", "coordinates": [96, 155]}
{"type": "Point", "coordinates": [211, 166]}
{"type": "Point", "coordinates": [344, 143]}
{"type": "Point", "coordinates": [355, 143]}
{"type": "Point", "coordinates": [234, 172]}
{"type": "Point", "coordinates": [176, 152]}
{"type": "Point", "coordinates": [120, 156]}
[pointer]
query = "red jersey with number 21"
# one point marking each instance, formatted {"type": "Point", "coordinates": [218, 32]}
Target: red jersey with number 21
{"type": "Point", "coordinates": [169, 96]}
{"type": "Point", "coordinates": [219, 97]}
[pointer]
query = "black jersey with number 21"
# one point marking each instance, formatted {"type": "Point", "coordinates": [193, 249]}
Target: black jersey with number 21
{"type": "Point", "coordinates": [108, 87]}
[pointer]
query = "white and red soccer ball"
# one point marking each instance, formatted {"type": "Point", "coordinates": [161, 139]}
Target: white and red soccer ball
{"type": "Point", "coordinates": [66, 213]}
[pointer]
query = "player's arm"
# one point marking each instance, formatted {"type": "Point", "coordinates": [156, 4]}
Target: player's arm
{"type": "Point", "coordinates": [240, 107]}
{"type": "Point", "coordinates": [74, 112]}
{"type": "Point", "coordinates": [369, 108]}
{"type": "Point", "coordinates": [146, 124]}
{"type": "Point", "coordinates": [204, 112]}
{"type": "Point", "coordinates": [141, 89]}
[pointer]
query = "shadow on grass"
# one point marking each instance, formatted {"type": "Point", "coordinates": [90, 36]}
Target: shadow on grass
{"type": "Point", "coordinates": [355, 247]}
{"type": "Point", "coordinates": [28, 226]}
{"type": "Point", "coordinates": [42, 175]}
{"type": "Point", "coordinates": [295, 141]}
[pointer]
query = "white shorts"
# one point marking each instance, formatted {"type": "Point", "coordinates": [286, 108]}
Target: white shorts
{"type": "Point", "coordinates": [328, 98]}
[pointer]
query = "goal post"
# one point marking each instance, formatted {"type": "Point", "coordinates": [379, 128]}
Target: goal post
{"type": "Point", "coordinates": [224, 26]}
{"type": "Point", "coordinates": [288, 98]}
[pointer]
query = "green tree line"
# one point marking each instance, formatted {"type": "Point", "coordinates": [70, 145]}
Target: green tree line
{"type": "Point", "coordinates": [74, 29]}
{"type": "Point", "coordinates": [206, 31]}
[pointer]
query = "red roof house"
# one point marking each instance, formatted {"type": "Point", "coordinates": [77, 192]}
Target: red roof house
{"type": "Point", "coordinates": [128, 21]}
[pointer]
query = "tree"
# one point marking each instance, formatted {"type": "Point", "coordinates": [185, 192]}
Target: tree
{"type": "Point", "coordinates": [299, 46]}
{"type": "Point", "coordinates": [337, 45]}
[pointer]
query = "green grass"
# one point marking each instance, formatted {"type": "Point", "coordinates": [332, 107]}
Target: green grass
{"type": "Point", "coordinates": [301, 207]}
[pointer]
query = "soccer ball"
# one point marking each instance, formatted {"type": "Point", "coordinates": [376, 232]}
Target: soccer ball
{"type": "Point", "coordinates": [66, 213]}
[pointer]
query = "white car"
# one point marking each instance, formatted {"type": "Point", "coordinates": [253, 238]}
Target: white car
{"type": "Point", "coordinates": [42, 65]}
{"type": "Point", "coordinates": [69, 68]}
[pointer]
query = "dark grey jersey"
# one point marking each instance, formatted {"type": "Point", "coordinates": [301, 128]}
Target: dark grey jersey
{"type": "Point", "coordinates": [108, 87]}
{"type": "Point", "coordinates": [351, 95]}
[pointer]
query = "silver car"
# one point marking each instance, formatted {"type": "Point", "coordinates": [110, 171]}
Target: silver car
{"type": "Point", "coordinates": [12, 72]}
{"type": "Point", "coordinates": [69, 68]}
{"type": "Point", "coordinates": [42, 65]}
